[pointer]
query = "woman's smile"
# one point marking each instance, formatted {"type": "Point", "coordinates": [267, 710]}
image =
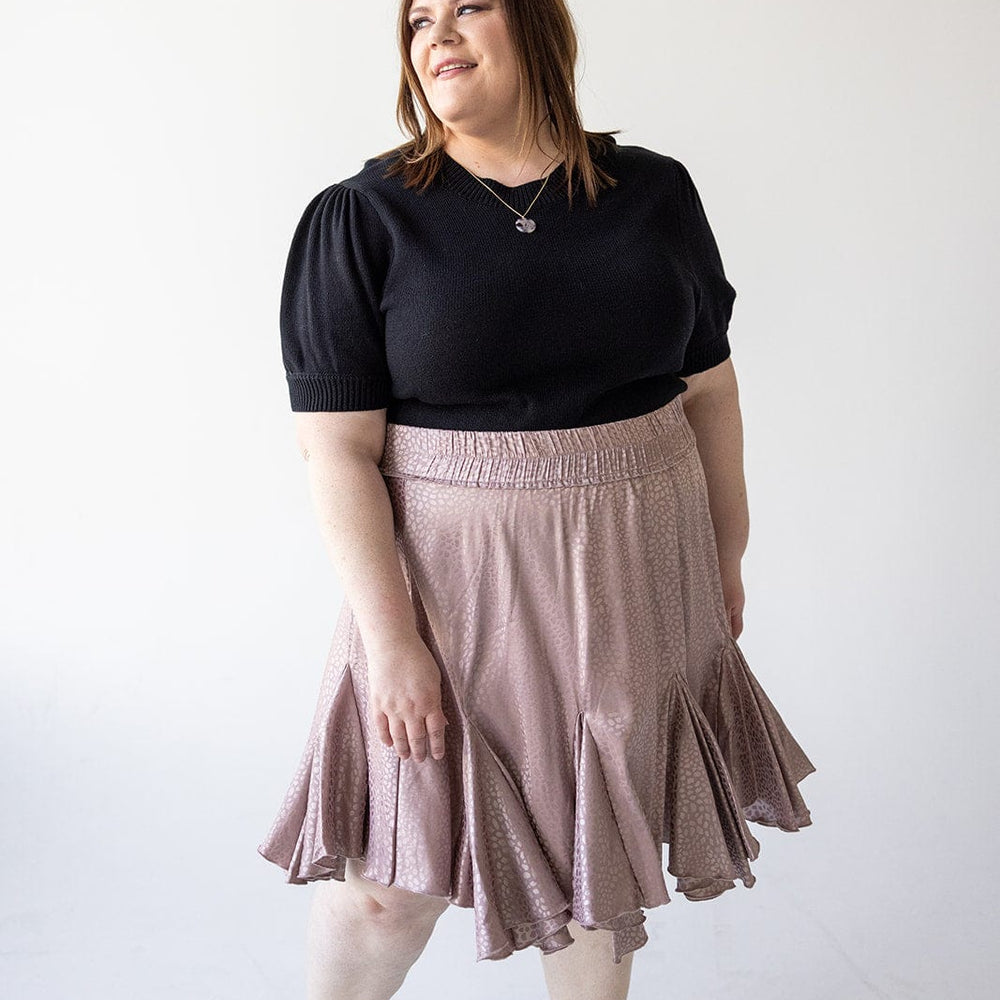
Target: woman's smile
{"type": "Point", "coordinates": [447, 74]}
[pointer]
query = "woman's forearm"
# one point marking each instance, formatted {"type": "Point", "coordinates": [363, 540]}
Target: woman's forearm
{"type": "Point", "coordinates": [355, 518]}
{"type": "Point", "coordinates": [714, 416]}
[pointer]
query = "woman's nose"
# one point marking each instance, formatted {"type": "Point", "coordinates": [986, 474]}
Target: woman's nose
{"type": "Point", "coordinates": [442, 31]}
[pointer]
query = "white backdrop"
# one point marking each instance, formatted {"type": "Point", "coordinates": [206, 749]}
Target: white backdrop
{"type": "Point", "coordinates": [167, 603]}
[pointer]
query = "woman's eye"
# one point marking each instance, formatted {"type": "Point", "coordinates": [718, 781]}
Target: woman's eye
{"type": "Point", "coordinates": [415, 23]}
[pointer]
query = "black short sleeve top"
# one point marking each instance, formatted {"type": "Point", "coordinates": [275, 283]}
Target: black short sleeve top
{"type": "Point", "coordinates": [434, 306]}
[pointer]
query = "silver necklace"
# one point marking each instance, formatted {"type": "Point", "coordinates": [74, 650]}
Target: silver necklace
{"type": "Point", "coordinates": [523, 223]}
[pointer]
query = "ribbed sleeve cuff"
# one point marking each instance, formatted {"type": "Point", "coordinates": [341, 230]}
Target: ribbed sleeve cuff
{"type": "Point", "coordinates": [706, 356]}
{"type": "Point", "coordinates": [310, 392]}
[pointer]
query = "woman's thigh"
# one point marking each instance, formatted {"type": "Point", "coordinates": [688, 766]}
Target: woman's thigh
{"type": "Point", "coordinates": [392, 898]}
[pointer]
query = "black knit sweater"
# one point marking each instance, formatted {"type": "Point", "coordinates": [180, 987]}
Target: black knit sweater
{"type": "Point", "coordinates": [434, 306]}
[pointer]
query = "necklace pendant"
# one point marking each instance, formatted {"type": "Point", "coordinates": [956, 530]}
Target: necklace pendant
{"type": "Point", "coordinates": [525, 225]}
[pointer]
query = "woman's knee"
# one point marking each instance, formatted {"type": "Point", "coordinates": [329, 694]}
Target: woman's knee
{"type": "Point", "coordinates": [391, 905]}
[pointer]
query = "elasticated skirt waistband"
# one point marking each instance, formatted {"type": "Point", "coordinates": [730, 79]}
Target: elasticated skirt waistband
{"type": "Point", "coordinates": [571, 456]}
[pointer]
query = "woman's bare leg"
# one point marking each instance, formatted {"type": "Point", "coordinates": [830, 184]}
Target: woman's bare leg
{"type": "Point", "coordinates": [363, 937]}
{"type": "Point", "coordinates": [586, 969]}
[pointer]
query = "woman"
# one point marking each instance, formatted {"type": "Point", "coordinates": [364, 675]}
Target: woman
{"type": "Point", "coordinates": [534, 681]}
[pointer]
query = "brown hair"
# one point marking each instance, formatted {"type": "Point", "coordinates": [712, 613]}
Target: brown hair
{"type": "Point", "coordinates": [544, 38]}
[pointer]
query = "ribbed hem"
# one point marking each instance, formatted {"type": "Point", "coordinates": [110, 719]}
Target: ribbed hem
{"type": "Point", "coordinates": [706, 356]}
{"type": "Point", "coordinates": [317, 392]}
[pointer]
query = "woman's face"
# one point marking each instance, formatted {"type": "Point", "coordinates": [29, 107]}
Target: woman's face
{"type": "Point", "coordinates": [470, 100]}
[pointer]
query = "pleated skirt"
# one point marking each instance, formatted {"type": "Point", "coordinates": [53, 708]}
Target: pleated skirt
{"type": "Point", "coordinates": [567, 583]}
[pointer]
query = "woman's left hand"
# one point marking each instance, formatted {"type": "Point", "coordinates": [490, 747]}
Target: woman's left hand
{"type": "Point", "coordinates": [732, 591]}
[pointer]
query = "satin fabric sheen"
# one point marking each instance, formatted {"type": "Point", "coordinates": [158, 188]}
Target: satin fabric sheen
{"type": "Point", "coordinates": [567, 583]}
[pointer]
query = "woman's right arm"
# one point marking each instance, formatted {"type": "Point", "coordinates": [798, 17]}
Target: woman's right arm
{"type": "Point", "coordinates": [342, 451]}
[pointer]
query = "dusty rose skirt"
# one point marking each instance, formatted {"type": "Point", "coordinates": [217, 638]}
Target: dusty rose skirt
{"type": "Point", "coordinates": [567, 582]}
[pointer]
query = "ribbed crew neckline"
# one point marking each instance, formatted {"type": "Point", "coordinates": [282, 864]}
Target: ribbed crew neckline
{"type": "Point", "coordinates": [461, 180]}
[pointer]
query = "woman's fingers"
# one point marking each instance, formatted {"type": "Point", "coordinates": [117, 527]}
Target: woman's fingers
{"type": "Point", "coordinates": [382, 726]}
{"type": "Point", "coordinates": [435, 727]}
{"type": "Point", "coordinates": [410, 737]}
{"type": "Point", "coordinates": [400, 741]}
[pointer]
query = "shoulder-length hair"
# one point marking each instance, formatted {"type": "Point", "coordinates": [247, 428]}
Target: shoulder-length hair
{"type": "Point", "coordinates": [544, 38]}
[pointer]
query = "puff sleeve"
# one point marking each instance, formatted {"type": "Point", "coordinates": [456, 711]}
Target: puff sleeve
{"type": "Point", "coordinates": [708, 344]}
{"type": "Point", "coordinates": [332, 326]}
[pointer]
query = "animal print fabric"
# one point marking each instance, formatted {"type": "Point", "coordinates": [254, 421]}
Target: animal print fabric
{"type": "Point", "coordinates": [567, 583]}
